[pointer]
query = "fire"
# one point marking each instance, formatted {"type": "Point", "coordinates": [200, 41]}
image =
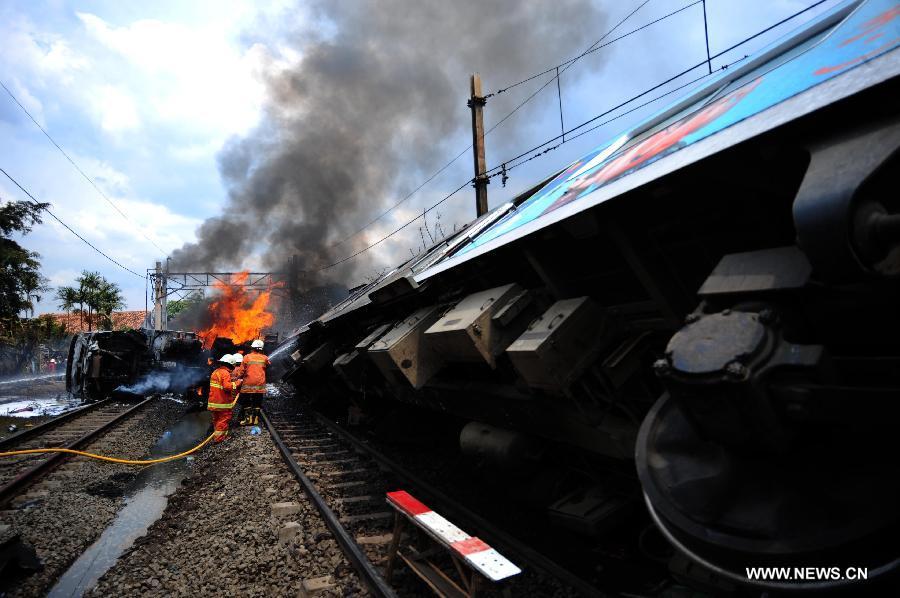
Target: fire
{"type": "Point", "coordinates": [237, 314]}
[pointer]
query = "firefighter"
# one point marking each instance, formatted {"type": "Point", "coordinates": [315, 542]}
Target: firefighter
{"type": "Point", "coordinates": [254, 389]}
{"type": "Point", "coordinates": [238, 371]}
{"type": "Point", "coordinates": [237, 374]}
{"type": "Point", "coordinates": [221, 397]}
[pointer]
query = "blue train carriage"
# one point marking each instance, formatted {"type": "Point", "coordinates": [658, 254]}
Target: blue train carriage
{"type": "Point", "coordinates": [711, 296]}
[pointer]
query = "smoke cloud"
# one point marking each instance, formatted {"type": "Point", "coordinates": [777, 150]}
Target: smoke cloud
{"type": "Point", "coordinates": [374, 103]}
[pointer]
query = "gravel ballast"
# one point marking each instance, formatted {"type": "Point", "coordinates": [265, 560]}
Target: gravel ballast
{"type": "Point", "coordinates": [220, 534]}
{"type": "Point", "coordinates": [64, 513]}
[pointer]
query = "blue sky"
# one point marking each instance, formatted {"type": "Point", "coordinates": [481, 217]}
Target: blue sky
{"type": "Point", "coordinates": [144, 95]}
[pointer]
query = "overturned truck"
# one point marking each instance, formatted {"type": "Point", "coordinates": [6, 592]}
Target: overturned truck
{"type": "Point", "coordinates": [699, 321]}
{"type": "Point", "coordinates": [106, 363]}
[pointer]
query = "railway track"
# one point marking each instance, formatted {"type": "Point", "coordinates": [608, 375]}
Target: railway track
{"type": "Point", "coordinates": [73, 430]}
{"type": "Point", "coordinates": [347, 480]}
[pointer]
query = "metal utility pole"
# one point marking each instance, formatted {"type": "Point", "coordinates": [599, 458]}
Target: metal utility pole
{"type": "Point", "coordinates": [160, 284]}
{"type": "Point", "coordinates": [476, 103]}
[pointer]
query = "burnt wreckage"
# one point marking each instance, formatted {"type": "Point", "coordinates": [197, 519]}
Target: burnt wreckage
{"type": "Point", "coordinates": [702, 318]}
{"type": "Point", "coordinates": [106, 362]}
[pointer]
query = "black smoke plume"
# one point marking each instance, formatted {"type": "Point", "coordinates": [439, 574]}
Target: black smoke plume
{"type": "Point", "coordinates": [375, 103]}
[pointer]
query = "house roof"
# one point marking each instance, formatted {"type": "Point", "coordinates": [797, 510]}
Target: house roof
{"type": "Point", "coordinates": [120, 319]}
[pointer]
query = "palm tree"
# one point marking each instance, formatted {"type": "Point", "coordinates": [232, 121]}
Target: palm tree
{"type": "Point", "coordinates": [68, 299]}
{"type": "Point", "coordinates": [108, 299]}
{"type": "Point", "coordinates": [89, 284]}
{"type": "Point", "coordinates": [32, 284]}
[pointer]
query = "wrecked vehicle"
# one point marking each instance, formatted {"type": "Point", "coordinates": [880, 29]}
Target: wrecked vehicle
{"type": "Point", "coordinates": [692, 329]}
{"type": "Point", "coordinates": [106, 363]}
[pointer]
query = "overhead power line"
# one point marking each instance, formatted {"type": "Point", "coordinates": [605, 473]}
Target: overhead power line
{"type": "Point", "coordinates": [410, 194]}
{"type": "Point", "coordinates": [399, 228]}
{"type": "Point", "coordinates": [502, 169]}
{"type": "Point", "coordinates": [78, 168]}
{"type": "Point", "coordinates": [506, 166]}
{"type": "Point", "coordinates": [591, 51]}
{"type": "Point", "coordinates": [767, 29]}
{"type": "Point", "coordinates": [468, 147]}
{"type": "Point", "coordinates": [496, 170]}
{"type": "Point", "coordinates": [69, 228]}
{"type": "Point", "coordinates": [568, 65]}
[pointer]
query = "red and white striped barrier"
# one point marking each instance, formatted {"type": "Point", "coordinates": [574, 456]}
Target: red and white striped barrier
{"type": "Point", "coordinates": [479, 555]}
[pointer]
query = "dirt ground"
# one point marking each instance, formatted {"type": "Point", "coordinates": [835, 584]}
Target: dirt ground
{"type": "Point", "coordinates": [220, 536]}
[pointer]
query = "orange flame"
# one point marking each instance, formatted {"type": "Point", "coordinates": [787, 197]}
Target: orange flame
{"type": "Point", "coordinates": [237, 314]}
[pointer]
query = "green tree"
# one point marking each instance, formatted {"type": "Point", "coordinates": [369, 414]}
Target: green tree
{"type": "Point", "coordinates": [107, 299]}
{"type": "Point", "coordinates": [173, 308]}
{"type": "Point", "coordinates": [88, 293]}
{"type": "Point", "coordinates": [34, 285]}
{"type": "Point", "coordinates": [100, 296]}
{"type": "Point", "coordinates": [21, 279]}
{"type": "Point", "coordinates": [68, 298]}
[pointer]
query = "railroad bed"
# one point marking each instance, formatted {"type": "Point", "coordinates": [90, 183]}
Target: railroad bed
{"type": "Point", "coordinates": [244, 507]}
{"type": "Point", "coordinates": [73, 430]}
{"type": "Point", "coordinates": [240, 525]}
{"type": "Point", "coordinates": [64, 507]}
{"type": "Point", "coordinates": [348, 480]}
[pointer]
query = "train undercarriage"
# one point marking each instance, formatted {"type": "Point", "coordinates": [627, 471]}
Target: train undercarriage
{"type": "Point", "coordinates": [716, 346]}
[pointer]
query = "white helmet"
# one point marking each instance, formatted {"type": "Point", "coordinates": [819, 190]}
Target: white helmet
{"type": "Point", "coordinates": [227, 359]}
{"type": "Point", "coordinates": [237, 359]}
{"type": "Point", "coordinates": [257, 344]}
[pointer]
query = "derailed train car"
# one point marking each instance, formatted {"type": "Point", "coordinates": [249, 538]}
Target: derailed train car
{"type": "Point", "coordinates": [711, 300]}
{"type": "Point", "coordinates": [106, 363]}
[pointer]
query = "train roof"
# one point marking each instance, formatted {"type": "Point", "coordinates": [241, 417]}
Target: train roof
{"type": "Point", "coordinates": [847, 49]}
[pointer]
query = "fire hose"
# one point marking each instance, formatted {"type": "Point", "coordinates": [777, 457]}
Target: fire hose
{"type": "Point", "coordinates": [108, 459]}
{"type": "Point", "coordinates": [113, 459]}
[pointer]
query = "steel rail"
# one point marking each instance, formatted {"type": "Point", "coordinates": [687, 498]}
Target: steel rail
{"type": "Point", "coordinates": [15, 485]}
{"type": "Point", "coordinates": [46, 426]}
{"type": "Point", "coordinates": [367, 572]}
{"type": "Point", "coordinates": [448, 505]}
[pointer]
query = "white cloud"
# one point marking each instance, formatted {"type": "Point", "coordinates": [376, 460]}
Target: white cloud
{"type": "Point", "coordinates": [153, 91]}
{"type": "Point", "coordinates": [116, 110]}
{"type": "Point", "coordinates": [193, 77]}
{"type": "Point", "coordinates": [61, 277]}
{"type": "Point", "coordinates": [62, 59]}
{"type": "Point", "coordinates": [196, 151]}
{"type": "Point", "coordinates": [33, 105]}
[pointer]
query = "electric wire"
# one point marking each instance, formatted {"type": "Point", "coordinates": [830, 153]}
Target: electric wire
{"type": "Point", "coordinates": [409, 195]}
{"type": "Point", "coordinates": [767, 29]}
{"type": "Point", "coordinates": [497, 124]}
{"type": "Point", "coordinates": [78, 168]}
{"type": "Point", "coordinates": [69, 228]}
{"type": "Point", "coordinates": [598, 48]}
{"type": "Point", "coordinates": [554, 78]}
{"type": "Point", "coordinates": [499, 169]}
{"type": "Point", "coordinates": [399, 228]}
{"type": "Point", "coordinates": [506, 166]}
{"type": "Point", "coordinates": [492, 170]}
{"type": "Point", "coordinates": [503, 168]}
